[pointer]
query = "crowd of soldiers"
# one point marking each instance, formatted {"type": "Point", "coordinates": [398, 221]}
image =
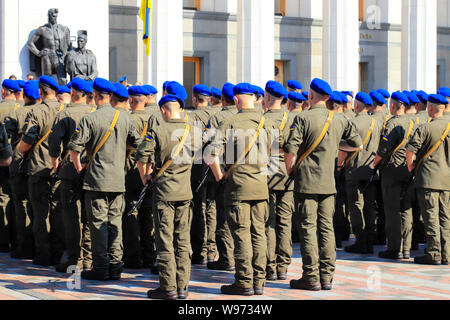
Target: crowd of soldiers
{"type": "Point", "coordinates": [103, 172]}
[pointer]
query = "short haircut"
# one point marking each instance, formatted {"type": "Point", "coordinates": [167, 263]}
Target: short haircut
{"type": "Point", "coordinates": [320, 95]}
{"type": "Point", "coordinates": [46, 90]}
{"type": "Point", "coordinates": [201, 98]}
{"type": "Point", "coordinates": [399, 104]}
{"type": "Point", "coordinates": [119, 99]}
{"type": "Point", "coordinates": [103, 95]}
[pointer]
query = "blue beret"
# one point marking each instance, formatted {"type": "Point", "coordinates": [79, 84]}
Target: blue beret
{"type": "Point", "coordinates": [121, 91]}
{"type": "Point", "coordinates": [259, 91]}
{"type": "Point", "coordinates": [150, 89]}
{"type": "Point", "coordinates": [216, 92]}
{"type": "Point", "coordinates": [364, 98]}
{"type": "Point", "coordinates": [400, 97]}
{"type": "Point", "coordinates": [91, 86]}
{"type": "Point", "coordinates": [227, 91]}
{"type": "Point", "coordinates": [165, 84]}
{"type": "Point", "coordinates": [103, 85]}
{"type": "Point", "coordinates": [296, 97]}
{"type": "Point", "coordinates": [335, 97]}
{"type": "Point", "coordinates": [377, 97]}
{"type": "Point", "coordinates": [11, 85]}
{"type": "Point", "coordinates": [423, 96]}
{"type": "Point", "coordinates": [244, 88]}
{"type": "Point", "coordinates": [69, 85]}
{"type": "Point", "coordinates": [348, 93]}
{"type": "Point", "coordinates": [21, 83]}
{"type": "Point", "coordinates": [81, 85]}
{"type": "Point", "coordinates": [305, 94]}
{"type": "Point", "coordinates": [384, 93]}
{"type": "Point", "coordinates": [444, 91]}
{"type": "Point", "coordinates": [174, 88]}
{"type": "Point", "coordinates": [437, 98]}
{"type": "Point", "coordinates": [276, 89]}
{"type": "Point", "coordinates": [202, 89]}
{"type": "Point", "coordinates": [63, 89]}
{"type": "Point", "coordinates": [294, 84]}
{"type": "Point", "coordinates": [49, 82]}
{"type": "Point", "coordinates": [123, 79]}
{"type": "Point", "coordinates": [343, 97]}
{"type": "Point", "coordinates": [411, 97]}
{"type": "Point", "coordinates": [321, 86]}
{"type": "Point", "coordinates": [171, 97]}
{"type": "Point", "coordinates": [138, 91]}
{"type": "Point", "coordinates": [31, 89]}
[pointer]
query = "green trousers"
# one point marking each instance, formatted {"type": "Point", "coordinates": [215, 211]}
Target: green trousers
{"type": "Point", "coordinates": [198, 228]}
{"type": "Point", "coordinates": [104, 211]}
{"type": "Point", "coordinates": [398, 213]}
{"type": "Point", "coordinates": [317, 241]}
{"type": "Point", "coordinates": [77, 233]}
{"type": "Point", "coordinates": [435, 209]}
{"type": "Point", "coordinates": [172, 225]}
{"type": "Point", "coordinates": [23, 213]}
{"type": "Point", "coordinates": [211, 220]}
{"type": "Point", "coordinates": [279, 231]}
{"type": "Point", "coordinates": [247, 221]}
{"type": "Point", "coordinates": [363, 211]}
{"type": "Point", "coordinates": [138, 230]}
{"type": "Point", "coordinates": [224, 239]}
{"type": "Point", "coordinates": [48, 230]}
{"type": "Point", "coordinates": [7, 222]}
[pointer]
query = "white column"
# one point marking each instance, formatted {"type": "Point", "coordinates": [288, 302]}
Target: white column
{"type": "Point", "coordinates": [341, 43]}
{"type": "Point", "coordinates": [419, 45]}
{"type": "Point", "coordinates": [165, 62]}
{"type": "Point", "coordinates": [256, 57]}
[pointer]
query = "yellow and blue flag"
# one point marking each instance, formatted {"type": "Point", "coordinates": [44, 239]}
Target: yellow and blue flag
{"type": "Point", "coordinates": [145, 14]}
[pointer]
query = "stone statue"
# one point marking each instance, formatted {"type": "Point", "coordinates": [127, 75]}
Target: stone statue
{"type": "Point", "coordinates": [81, 62]}
{"type": "Point", "coordinates": [49, 45]}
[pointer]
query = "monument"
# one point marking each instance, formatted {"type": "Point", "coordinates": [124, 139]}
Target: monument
{"type": "Point", "coordinates": [51, 52]}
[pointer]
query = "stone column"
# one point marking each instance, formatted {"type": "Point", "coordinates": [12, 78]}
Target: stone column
{"type": "Point", "coordinates": [419, 45]}
{"type": "Point", "coordinates": [255, 44]}
{"type": "Point", "coordinates": [165, 62]}
{"type": "Point", "coordinates": [341, 44]}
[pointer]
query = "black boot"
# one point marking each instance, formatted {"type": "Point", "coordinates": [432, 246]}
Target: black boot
{"type": "Point", "coordinates": [115, 271]}
{"type": "Point", "coordinates": [96, 274]}
{"type": "Point", "coordinates": [360, 245]}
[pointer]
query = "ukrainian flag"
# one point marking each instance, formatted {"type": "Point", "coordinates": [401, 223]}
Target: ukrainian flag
{"type": "Point", "coordinates": [145, 14]}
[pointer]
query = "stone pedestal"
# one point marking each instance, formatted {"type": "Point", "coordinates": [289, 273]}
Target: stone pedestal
{"type": "Point", "coordinates": [20, 19]}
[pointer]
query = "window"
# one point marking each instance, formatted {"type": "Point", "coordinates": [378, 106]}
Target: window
{"type": "Point", "coordinates": [362, 9]}
{"type": "Point", "coordinates": [280, 7]}
{"type": "Point", "coordinates": [281, 69]}
{"type": "Point", "coordinates": [191, 4]}
{"type": "Point", "coordinates": [191, 75]}
{"type": "Point", "coordinates": [364, 76]}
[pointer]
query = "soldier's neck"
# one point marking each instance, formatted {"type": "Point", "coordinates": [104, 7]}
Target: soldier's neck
{"type": "Point", "coordinates": [9, 98]}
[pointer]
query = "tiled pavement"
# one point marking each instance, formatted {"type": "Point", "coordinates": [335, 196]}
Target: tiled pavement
{"type": "Point", "coordinates": [358, 277]}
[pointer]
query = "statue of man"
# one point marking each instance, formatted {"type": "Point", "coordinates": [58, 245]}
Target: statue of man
{"type": "Point", "coordinates": [50, 43]}
{"type": "Point", "coordinates": [81, 62]}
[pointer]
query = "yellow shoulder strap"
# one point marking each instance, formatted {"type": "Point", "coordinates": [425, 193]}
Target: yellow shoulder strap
{"type": "Point", "coordinates": [247, 150]}
{"type": "Point", "coordinates": [411, 126]}
{"type": "Point", "coordinates": [144, 132]}
{"type": "Point", "coordinates": [105, 138]}
{"type": "Point", "coordinates": [48, 133]}
{"type": "Point", "coordinates": [366, 140]}
{"type": "Point", "coordinates": [283, 123]}
{"type": "Point", "coordinates": [429, 120]}
{"type": "Point", "coordinates": [177, 152]}
{"type": "Point", "coordinates": [386, 121]}
{"type": "Point", "coordinates": [429, 153]}
{"type": "Point", "coordinates": [317, 142]}
{"type": "Point", "coordinates": [17, 106]}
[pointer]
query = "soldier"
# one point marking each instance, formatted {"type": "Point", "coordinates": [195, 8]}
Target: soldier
{"type": "Point", "coordinates": [348, 107]}
{"type": "Point", "coordinates": [294, 86]}
{"type": "Point", "coordinates": [151, 106]}
{"type": "Point", "coordinates": [281, 199]}
{"type": "Point", "coordinates": [19, 94]}
{"type": "Point", "coordinates": [245, 188]}
{"type": "Point", "coordinates": [15, 125]}
{"type": "Point", "coordinates": [421, 108]}
{"type": "Point", "coordinates": [8, 103]}
{"type": "Point", "coordinates": [5, 148]}
{"type": "Point", "coordinates": [391, 156]}
{"type": "Point", "coordinates": [222, 237]}
{"type": "Point", "coordinates": [119, 99]}
{"type": "Point", "coordinates": [138, 230]}
{"type": "Point", "coordinates": [216, 99]}
{"type": "Point", "coordinates": [63, 96]}
{"type": "Point", "coordinates": [314, 192]}
{"type": "Point", "coordinates": [306, 104]}
{"type": "Point", "coordinates": [430, 144]}
{"type": "Point", "coordinates": [386, 95]}
{"type": "Point", "coordinates": [361, 192]}
{"type": "Point", "coordinates": [200, 117]}
{"type": "Point", "coordinates": [105, 135]}
{"type": "Point", "coordinates": [77, 235]}
{"type": "Point", "coordinates": [49, 242]}
{"type": "Point", "coordinates": [166, 153]}
{"type": "Point", "coordinates": [444, 91]}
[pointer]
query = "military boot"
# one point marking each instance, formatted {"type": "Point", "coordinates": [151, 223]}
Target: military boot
{"type": "Point", "coordinates": [360, 245]}
{"type": "Point", "coordinates": [115, 271]}
{"type": "Point", "coordinates": [62, 267]}
{"type": "Point", "coordinates": [96, 274]}
{"type": "Point", "coordinates": [426, 259]}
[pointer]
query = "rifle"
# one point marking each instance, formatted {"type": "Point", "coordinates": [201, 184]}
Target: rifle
{"type": "Point", "coordinates": [374, 174]}
{"type": "Point", "coordinates": [147, 189]}
{"type": "Point", "coordinates": [203, 180]}
{"type": "Point", "coordinates": [78, 190]}
{"type": "Point", "coordinates": [406, 187]}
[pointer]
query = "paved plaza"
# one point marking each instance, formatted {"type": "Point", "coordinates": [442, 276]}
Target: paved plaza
{"type": "Point", "coordinates": [358, 277]}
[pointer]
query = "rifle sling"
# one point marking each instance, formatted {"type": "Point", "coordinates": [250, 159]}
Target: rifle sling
{"type": "Point", "coordinates": [411, 126]}
{"type": "Point", "coordinates": [366, 140]}
{"type": "Point", "coordinates": [317, 142]}
{"type": "Point", "coordinates": [105, 138]}
{"type": "Point", "coordinates": [435, 147]}
{"type": "Point", "coordinates": [47, 134]}
{"type": "Point", "coordinates": [247, 150]}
